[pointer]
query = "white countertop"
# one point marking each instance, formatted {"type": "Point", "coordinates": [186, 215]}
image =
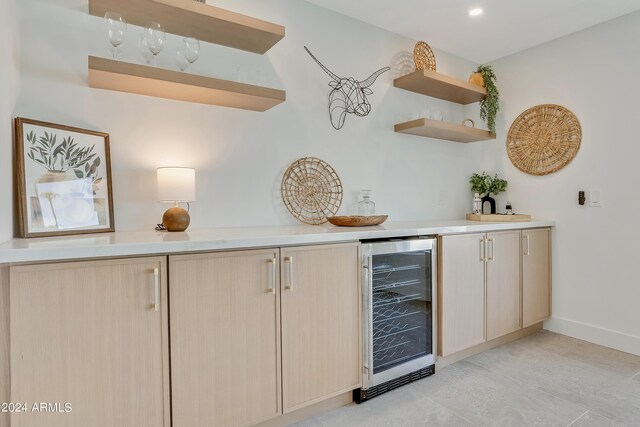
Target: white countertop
{"type": "Point", "coordinates": [128, 243]}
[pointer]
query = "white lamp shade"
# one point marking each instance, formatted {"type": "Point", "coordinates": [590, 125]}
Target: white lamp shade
{"type": "Point", "coordinates": [176, 184]}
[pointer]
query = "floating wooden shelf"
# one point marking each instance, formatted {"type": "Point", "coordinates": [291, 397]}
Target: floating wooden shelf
{"type": "Point", "coordinates": [430, 83]}
{"type": "Point", "coordinates": [443, 130]}
{"type": "Point", "coordinates": [144, 80]}
{"type": "Point", "coordinates": [194, 19]}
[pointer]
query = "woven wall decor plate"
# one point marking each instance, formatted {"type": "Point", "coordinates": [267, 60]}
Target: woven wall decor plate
{"type": "Point", "coordinates": [311, 190]}
{"type": "Point", "coordinates": [544, 139]}
{"type": "Point", "coordinates": [423, 57]}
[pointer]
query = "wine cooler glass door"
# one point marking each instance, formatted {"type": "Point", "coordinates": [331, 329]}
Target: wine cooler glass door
{"type": "Point", "coordinates": [401, 310]}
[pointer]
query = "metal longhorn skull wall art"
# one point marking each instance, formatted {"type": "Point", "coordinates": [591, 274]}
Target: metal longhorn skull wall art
{"type": "Point", "coordinates": [348, 95]}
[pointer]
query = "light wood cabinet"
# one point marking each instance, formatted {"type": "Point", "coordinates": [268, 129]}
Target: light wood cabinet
{"type": "Point", "coordinates": [491, 285]}
{"type": "Point", "coordinates": [89, 334]}
{"type": "Point", "coordinates": [479, 287]}
{"type": "Point", "coordinates": [536, 275]}
{"type": "Point", "coordinates": [230, 366]}
{"type": "Point", "coordinates": [225, 348]}
{"type": "Point", "coordinates": [321, 346]}
{"type": "Point", "coordinates": [461, 292]}
{"type": "Point", "coordinates": [503, 283]}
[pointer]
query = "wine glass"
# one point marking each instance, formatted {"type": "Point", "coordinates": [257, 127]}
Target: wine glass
{"type": "Point", "coordinates": [180, 59]}
{"type": "Point", "coordinates": [116, 30]}
{"type": "Point", "coordinates": [144, 49]}
{"type": "Point", "coordinates": [155, 39]}
{"type": "Point", "coordinates": [191, 49]}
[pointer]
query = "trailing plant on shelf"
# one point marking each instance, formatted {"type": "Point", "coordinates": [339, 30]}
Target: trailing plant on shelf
{"type": "Point", "coordinates": [491, 104]}
{"type": "Point", "coordinates": [487, 185]}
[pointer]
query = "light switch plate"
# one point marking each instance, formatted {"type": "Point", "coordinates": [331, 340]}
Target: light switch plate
{"type": "Point", "coordinates": [595, 200]}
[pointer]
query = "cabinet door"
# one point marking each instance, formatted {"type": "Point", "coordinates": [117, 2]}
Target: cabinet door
{"type": "Point", "coordinates": [321, 323]}
{"type": "Point", "coordinates": [225, 365]}
{"type": "Point", "coordinates": [536, 276]}
{"type": "Point", "coordinates": [89, 334]}
{"type": "Point", "coordinates": [503, 283]}
{"type": "Point", "coordinates": [461, 292]}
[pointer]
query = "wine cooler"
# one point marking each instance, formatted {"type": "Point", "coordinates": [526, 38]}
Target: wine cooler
{"type": "Point", "coordinates": [399, 313]}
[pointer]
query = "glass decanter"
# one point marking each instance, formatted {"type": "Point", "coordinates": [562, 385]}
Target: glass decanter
{"type": "Point", "coordinates": [366, 207]}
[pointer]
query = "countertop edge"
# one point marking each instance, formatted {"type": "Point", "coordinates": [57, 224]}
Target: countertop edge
{"type": "Point", "coordinates": [136, 243]}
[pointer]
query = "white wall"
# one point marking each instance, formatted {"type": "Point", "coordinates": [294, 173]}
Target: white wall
{"type": "Point", "coordinates": [9, 86]}
{"type": "Point", "coordinates": [239, 155]}
{"type": "Point", "coordinates": [593, 73]}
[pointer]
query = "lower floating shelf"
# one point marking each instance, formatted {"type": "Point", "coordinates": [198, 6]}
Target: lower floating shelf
{"type": "Point", "coordinates": [443, 130]}
{"type": "Point", "coordinates": [162, 83]}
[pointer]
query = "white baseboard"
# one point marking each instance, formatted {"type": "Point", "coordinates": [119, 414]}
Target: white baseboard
{"type": "Point", "coordinates": [597, 335]}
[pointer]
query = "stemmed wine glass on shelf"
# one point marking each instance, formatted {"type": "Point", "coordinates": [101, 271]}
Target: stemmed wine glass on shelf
{"type": "Point", "coordinates": [144, 48]}
{"type": "Point", "coordinates": [116, 30]}
{"type": "Point", "coordinates": [187, 53]}
{"type": "Point", "coordinates": [154, 38]}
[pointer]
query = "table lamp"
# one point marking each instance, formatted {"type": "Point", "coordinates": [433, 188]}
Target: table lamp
{"type": "Point", "coordinates": [176, 185]}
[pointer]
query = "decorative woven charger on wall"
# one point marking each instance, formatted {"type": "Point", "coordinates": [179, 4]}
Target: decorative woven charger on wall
{"type": "Point", "coordinates": [423, 57]}
{"type": "Point", "coordinates": [544, 139]}
{"type": "Point", "coordinates": [311, 190]}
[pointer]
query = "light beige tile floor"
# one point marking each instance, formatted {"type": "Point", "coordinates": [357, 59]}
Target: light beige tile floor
{"type": "Point", "coordinates": [545, 379]}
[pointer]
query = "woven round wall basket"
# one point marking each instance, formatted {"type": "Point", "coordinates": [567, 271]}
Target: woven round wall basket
{"type": "Point", "coordinates": [311, 190]}
{"type": "Point", "coordinates": [423, 57]}
{"type": "Point", "coordinates": [544, 139]}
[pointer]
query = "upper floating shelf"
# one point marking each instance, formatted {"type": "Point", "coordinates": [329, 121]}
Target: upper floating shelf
{"type": "Point", "coordinates": [191, 18]}
{"type": "Point", "coordinates": [152, 81]}
{"type": "Point", "coordinates": [438, 85]}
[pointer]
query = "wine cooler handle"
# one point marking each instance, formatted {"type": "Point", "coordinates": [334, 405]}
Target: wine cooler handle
{"type": "Point", "coordinates": [368, 314]}
{"type": "Point", "coordinates": [289, 285]}
{"type": "Point", "coordinates": [156, 289]}
{"type": "Point", "coordinates": [272, 262]}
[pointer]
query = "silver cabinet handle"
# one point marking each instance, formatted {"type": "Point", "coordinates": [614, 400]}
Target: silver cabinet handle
{"type": "Point", "coordinates": [272, 262]}
{"type": "Point", "coordinates": [492, 245]}
{"type": "Point", "coordinates": [156, 289]}
{"type": "Point", "coordinates": [527, 250]}
{"type": "Point", "coordinates": [289, 285]}
{"type": "Point", "coordinates": [483, 249]}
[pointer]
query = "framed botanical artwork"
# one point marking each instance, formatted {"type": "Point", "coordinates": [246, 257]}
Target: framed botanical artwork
{"type": "Point", "coordinates": [63, 178]}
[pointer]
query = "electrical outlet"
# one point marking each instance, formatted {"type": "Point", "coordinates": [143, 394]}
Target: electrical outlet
{"type": "Point", "coordinates": [595, 199]}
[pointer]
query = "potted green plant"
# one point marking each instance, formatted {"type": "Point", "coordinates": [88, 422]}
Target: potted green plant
{"type": "Point", "coordinates": [486, 185]}
{"type": "Point", "coordinates": [484, 76]}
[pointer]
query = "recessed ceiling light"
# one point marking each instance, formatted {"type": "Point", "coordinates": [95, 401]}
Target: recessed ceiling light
{"type": "Point", "coordinates": [475, 12]}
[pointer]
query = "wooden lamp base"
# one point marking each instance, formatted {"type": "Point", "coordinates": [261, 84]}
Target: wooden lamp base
{"type": "Point", "coordinates": [176, 219]}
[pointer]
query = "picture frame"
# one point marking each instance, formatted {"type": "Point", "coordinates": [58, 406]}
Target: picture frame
{"type": "Point", "coordinates": [63, 179]}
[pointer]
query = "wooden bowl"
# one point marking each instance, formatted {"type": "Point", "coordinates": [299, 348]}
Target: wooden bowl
{"type": "Point", "coordinates": [357, 221]}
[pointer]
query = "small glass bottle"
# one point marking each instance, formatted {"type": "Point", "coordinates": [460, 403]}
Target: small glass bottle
{"type": "Point", "coordinates": [477, 204]}
{"type": "Point", "coordinates": [509, 209]}
{"type": "Point", "coordinates": [366, 207]}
